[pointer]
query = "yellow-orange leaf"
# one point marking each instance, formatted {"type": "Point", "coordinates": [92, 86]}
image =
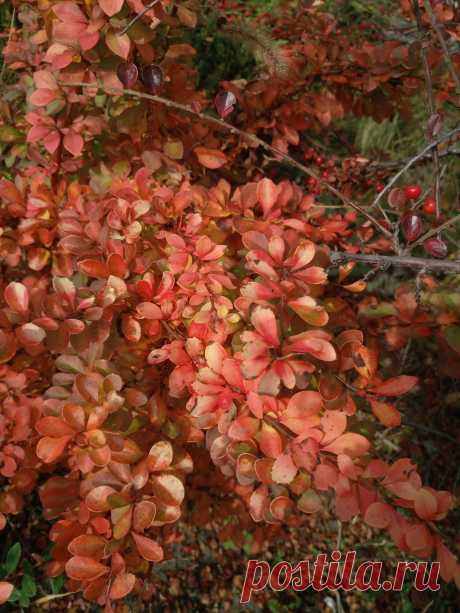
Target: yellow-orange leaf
{"type": "Point", "coordinates": [210, 158]}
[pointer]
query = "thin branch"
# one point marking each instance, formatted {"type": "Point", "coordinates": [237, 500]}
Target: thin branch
{"type": "Point", "coordinates": [431, 104]}
{"type": "Point", "coordinates": [281, 428]}
{"type": "Point", "coordinates": [412, 161]}
{"type": "Point", "coordinates": [138, 16]}
{"type": "Point", "coordinates": [398, 163]}
{"type": "Point", "coordinates": [430, 233]}
{"type": "Point", "coordinates": [252, 138]}
{"type": "Point", "coordinates": [442, 40]}
{"type": "Point", "coordinates": [337, 257]}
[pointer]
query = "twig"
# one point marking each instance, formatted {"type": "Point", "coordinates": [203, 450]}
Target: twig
{"type": "Point", "coordinates": [398, 163]}
{"type": "Point", "coordinates": [138, 16]}
{"type": "Point", "coordinates": [256, 141]}
{"type": "Point", "coordinates": [337, 257]}
{"type": "Point", "coordinates": [45, 599]}
{"type": "Point", "coordinates": [412, 161]}
{"type": "Point", "coordinates": [430, 233]}
{"type": "Point", "coordinates": [442, 40]}
{"type": "Point", "coordinates": [281, 428]}
{"type": "Point", "coordinates": [431, 104]}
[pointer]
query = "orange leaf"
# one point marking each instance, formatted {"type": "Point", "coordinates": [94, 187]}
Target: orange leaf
{"type": "Point", "coordinates": [425, 504]}
{"type": "Point", "coordinates": [82, 568]}
{"type": "Point", "coordinates": [122, 585]}
{"type": "Point", "coordinates": [397, 386]}
{"type": "Point", "coordinates": [49, 449]}
{"type": "Point", "coordinates": [351, 444]}
{"type": "Point", "coordinates": [88, 545]}
{"type": "Point", "coordinates": [210, 158]}
{"type": "Point", "coordinates": [148, 549]}
{"type": "Point", "coordinates": [386, 413]}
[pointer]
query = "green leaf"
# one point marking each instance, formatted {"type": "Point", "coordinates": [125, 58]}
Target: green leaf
{"type": "Point", "coordinates": [8, 134]}
{"type": "Point", "coordinates": [57, 583]}
{"type": "Point", "coordinates": [28, 586]}
{"type": "Point", "coordinates": [452, 336]}
{"type": "Point", "coordinates": [384, 309]}
{"type": "Point", "coordinates": [12, 558]}
{"type": "Point", "coordinates": [15, 596]}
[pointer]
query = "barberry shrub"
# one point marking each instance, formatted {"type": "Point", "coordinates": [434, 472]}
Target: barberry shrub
{"type": "Point", "coordinates": [164, 301]}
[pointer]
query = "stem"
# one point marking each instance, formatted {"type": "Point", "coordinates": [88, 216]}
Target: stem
{"type": "Point", "coordinates": [431, 104]}
{"type": "Point", "coordinates": [445, 49]}
{"type": "Point", "coordinates": [397, 260]}
{"type": "Point", "coordinates": [430, 233]}
{"type": "Point", "coordinates": [138, 16]}
{"type": "Point", "coordinates": [256, 141]}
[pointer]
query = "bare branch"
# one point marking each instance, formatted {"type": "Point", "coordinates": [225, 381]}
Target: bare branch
{"type": "Point", "coordinates": [433, 231]}
{"type": "Point", "coordinates": [445, 266]}
{"type": "Point", "coordinates": [431, 104]}
{"type": "Point", "coordinates": [138, 16]}
{"type": "Point", "coordinates": [442, 40]}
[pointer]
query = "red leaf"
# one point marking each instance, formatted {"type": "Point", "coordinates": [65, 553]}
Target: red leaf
{"type": "Point", "coordinates": [425, 504]}
{"type": "Point", "coordinates": [94, 268]}
{"type": "Point", "coordinates": [82, 568]}
{"type": "Point", "coordinates": [267, 194]}
{"type": "Point", "coordinates": [397, 386]}
{"type": "Point", "coordinates": [210, 158]}
{"type": "Point", "coordinates": [73, 142]}
{"type": "Point", "coordinates": [379, 515]}
{"type": "Point", "coordinates": [264, 321]}
{"type": "Point", "coordinates": [148, 549]}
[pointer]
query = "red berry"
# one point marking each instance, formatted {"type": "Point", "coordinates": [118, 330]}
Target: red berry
{"type": "Point", "coordinates": [413, 192]}
{"type": "Point", "coordinates": [436, 247]}
{"type": "Point", "coordinates": [411, 225]}
{"type": "Point", "coordinates": [319, 160]}
{"type": "Point", "coordinates": [379, 187]}
{"type": "Point", "coordinates": [152, 77]}
{"type": "Point", "coordinates": [429, 206]}
{"type": "Point", "coordinates": [127, 72]}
